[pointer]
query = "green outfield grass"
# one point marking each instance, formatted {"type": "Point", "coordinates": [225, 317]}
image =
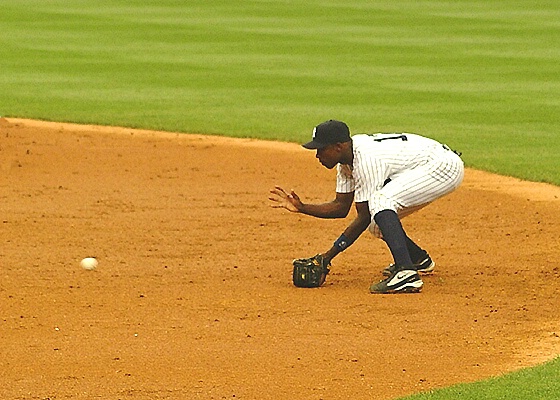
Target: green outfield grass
{"type": "Point", "coordinates": [482, 75]}
{"type": "Point", "coordinates": [540, 383]}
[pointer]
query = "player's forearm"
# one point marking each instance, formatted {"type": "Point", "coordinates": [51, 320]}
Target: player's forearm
{"type": "Point", "coordinates": [351, 233]}
{"type": "Point", "coordinates": [325, 210]}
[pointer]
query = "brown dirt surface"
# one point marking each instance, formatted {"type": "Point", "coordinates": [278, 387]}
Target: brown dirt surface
{"type": "Point", "coordinates": [193, 296]}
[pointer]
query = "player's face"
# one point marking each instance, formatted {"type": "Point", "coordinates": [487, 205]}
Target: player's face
{"type": "Point", "coordinates": [329, 156]}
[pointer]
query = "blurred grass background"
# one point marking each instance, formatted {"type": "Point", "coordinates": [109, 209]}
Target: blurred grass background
{"type": "Point", "coordinates": [483, 76]}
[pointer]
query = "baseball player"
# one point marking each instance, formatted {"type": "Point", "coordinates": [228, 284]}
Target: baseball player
{"type": "Point", "coordinates": [388, 176]}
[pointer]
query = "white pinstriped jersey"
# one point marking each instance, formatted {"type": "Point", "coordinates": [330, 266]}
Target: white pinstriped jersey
{"type": "Point", "coordinates": [420, 170]}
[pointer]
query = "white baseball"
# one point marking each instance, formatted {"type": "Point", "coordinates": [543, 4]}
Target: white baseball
{"type": "Point", "coordinates": [89, 263]}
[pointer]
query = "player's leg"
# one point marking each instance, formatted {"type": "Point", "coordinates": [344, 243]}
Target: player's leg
{"type": "Point", "coordinates": [415, 188]}
{"type": "Point", "coordinates": [420, 258]}
{"type": "Point", "coordinates": [417, 254]}
{"type": "Point", "coordinates": [410, 190]}
{"type": "Point", "coordinates": [403, 279]}
{"type": "Point", "coordinates": [393, 234]}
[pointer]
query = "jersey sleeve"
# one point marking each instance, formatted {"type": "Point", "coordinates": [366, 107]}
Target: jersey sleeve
{"type": "Point", "coordinates": [344, 179]}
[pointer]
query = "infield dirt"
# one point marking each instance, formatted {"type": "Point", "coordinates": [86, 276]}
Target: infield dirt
{"type": "Point", "coordinates": [193, 297]}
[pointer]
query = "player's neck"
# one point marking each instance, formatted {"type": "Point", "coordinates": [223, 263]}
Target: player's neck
{"type": "Point", "coordinates": [347, 155]}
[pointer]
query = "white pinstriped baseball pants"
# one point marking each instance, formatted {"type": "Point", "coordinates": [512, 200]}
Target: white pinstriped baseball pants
{"type": "Point", "coordinates": [413, 189]}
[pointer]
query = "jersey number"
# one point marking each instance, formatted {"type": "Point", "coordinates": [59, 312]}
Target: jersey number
{"type": "Point", "coordinates": [402, 137]}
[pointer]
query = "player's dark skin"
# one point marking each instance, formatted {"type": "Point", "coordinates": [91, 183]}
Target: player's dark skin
{"type": "Point", "coordinates": [329, 157]}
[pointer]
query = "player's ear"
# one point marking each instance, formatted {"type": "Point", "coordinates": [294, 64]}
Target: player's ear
{"type": "Point", "coordinates": [341, 147]}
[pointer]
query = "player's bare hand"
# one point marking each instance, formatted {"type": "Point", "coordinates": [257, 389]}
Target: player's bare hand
{"type": "Point", "coordinates": [281, 199]}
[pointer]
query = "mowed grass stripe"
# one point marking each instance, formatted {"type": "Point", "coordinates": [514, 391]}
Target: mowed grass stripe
{"type": "Point", "coordinates": [481, 75]}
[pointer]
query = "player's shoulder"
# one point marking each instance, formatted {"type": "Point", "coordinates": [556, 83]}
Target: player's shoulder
{"type": "Point", "coordinates": [376, 136]}
{"type": "Point", "coordinates": [383, 136]}
{"type": "Point", "coordinates": [360, 138]}
{"type": "Point", "coordinates": [364, 142]}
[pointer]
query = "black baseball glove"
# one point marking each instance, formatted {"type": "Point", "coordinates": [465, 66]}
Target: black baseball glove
{"type": "Point", "coordinates": [310, 272]}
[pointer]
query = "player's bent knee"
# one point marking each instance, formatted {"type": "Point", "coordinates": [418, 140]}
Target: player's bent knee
{"type": "Point", "coordinates": [380, 202]}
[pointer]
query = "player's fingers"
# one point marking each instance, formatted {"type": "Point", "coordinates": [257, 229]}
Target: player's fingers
{"type": "Point", "coordinates": [280, 194]}
{"type": "Point", "coordinates": [278, 190]}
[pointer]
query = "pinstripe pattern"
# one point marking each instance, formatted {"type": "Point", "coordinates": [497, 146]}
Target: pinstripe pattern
{"type": "Point", "coordinates": [421, 170]}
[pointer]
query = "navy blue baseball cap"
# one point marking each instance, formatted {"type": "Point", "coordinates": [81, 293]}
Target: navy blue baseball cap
{"type": "Point", "coordinates": [328, 132]}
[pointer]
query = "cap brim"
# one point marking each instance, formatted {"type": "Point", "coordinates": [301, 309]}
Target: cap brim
{"type": "Point", "coordinates": [314, 145]}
